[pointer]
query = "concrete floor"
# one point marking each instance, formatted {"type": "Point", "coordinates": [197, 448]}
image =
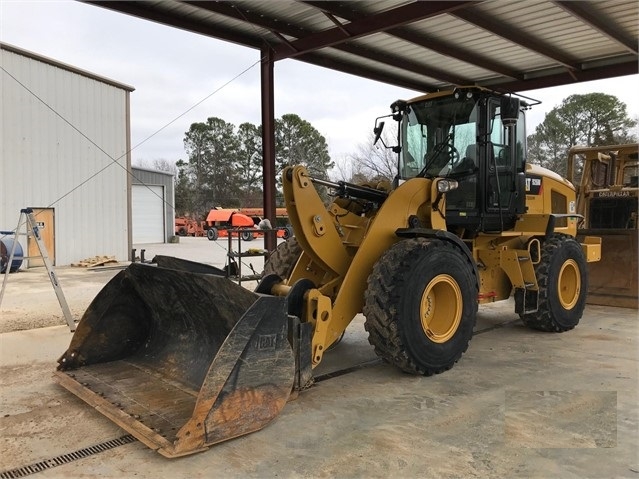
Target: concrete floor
{"type": "Point", "coordinates": [519, 404]}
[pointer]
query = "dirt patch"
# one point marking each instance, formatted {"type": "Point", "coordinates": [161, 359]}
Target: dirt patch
{"type": "Point", "coordinates": [30, 301]}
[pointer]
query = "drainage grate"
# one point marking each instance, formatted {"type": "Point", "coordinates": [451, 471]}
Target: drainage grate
{"type": "Point", "coordinates": [496, 326]}
{"type": "Point", "coordinates": [66, 458]}
{"type": "Point", "coordinates": [341, 372]}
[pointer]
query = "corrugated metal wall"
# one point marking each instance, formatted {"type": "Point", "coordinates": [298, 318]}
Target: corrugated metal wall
{"type": "Point", "coordinates": [46, 162]}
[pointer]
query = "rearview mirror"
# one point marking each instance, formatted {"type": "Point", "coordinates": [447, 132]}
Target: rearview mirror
{"type": "Point", "coordinates": [378, 131]}
{"type": "Point", "coordinates": [509, 110]}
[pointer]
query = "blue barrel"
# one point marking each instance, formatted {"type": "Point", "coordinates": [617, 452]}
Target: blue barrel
{"type": "Point", "coordinates": [6, 244]}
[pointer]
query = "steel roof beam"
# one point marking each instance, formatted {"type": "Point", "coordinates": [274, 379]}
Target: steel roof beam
{"type": "Point", "coordinates": [279, 29]}
{"type": "Point", "coordinates": [149, 11]}
{"type": "Point", "coordinates": [425, 41]}
{"type": "Point", "coordinates": [237, 12]}
{"type": "Point", "coordinates": [515, 36]}
{"type": "Point", "coordinates": [364, 26]}
{"type": "Point", "coordinates": [577, 71]}
{"type": "Point", "coordinates": [404, 64]}
{"type": "Point", "coordinates": [585, 12]}
{"type": "Point", "coordinates": [387, 77]}
{"type": "Point", "coordinates": [335, 21]}
{"type": "Point", "coordinates": [565, 78]}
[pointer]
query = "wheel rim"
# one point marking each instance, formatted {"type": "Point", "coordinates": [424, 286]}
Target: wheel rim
{"type": "Point", "coordinates": [441, 308]}
{"type": "Point", "coordinates": [569, 285]}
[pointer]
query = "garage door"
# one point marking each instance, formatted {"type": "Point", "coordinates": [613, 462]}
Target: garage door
{"type": "Point", "coordinates": [148, 214]}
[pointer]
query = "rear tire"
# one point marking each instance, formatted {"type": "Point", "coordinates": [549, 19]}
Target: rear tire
{"type": "Point", "coordinates": [247, 235]}
{"type": "Point", "coordinates": [421, 305]}
{"type": "Point", "coordinates": [212, 234]}
{"type": "Point", "coordinates": [563, 285]}
{"type": "Point", "coordinates": [283, 259]}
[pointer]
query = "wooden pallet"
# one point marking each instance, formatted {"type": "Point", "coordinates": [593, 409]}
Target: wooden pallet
{"type": "Point", "coordinates": [95, 261]}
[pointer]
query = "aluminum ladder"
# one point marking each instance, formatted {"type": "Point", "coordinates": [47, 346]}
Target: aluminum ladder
{"type": "Point", "coordinates": [27, 219]}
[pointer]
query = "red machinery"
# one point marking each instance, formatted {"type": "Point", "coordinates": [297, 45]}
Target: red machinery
{"type": "Point", "coordinates": [219, 221]}
{"type": "Point", "coordinates": [189, 227]}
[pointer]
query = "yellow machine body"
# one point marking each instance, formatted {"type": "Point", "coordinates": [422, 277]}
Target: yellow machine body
{"type": "Point", "coordinates": [607, 180]}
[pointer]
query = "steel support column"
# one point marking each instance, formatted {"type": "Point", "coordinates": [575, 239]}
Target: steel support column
{"type": "Point", "coordinates": [268, 142]}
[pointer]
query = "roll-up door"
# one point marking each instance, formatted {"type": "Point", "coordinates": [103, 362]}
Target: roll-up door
{"type": "Point", "coordinates": [148, 214]}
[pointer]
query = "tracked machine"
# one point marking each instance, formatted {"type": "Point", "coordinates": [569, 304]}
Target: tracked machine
{"type": "Point", "coordinates": [183, 358]}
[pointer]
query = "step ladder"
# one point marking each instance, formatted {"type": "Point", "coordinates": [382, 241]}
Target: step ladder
{"type": "Point", "coordinates": [28, 220]}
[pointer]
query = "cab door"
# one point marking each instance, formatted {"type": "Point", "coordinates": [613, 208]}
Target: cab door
{"type": "Point", "coordinates": [503, 171]}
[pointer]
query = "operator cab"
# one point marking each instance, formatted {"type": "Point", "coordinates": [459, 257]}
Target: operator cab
{"type": "Point", "coordinates": [475, 137]}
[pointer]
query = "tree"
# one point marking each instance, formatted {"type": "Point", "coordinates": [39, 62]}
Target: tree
{"type": "Point", "coordinates": [159, 164]}
{"type": "Point", "coordinates": [192, 172]}
{"type": "Point", "coordinates": [225, 164]}
{"type": "Point", "coordinates": [593, 119]}
{"type": "Point", "coordinates": [184, 192]}
{"type": "Point", "coordinates": [162, 164]}
{"type": "Point", "coordinates": [211, 171]}
{"type": "Point", "coordinates": [547, 146]}
{"type": "Point", "coordinates": [297, 142]}
{"type": "Point", "coordinates": [249, 164]}
{"type": "Point", "coordinates": [372, 162]}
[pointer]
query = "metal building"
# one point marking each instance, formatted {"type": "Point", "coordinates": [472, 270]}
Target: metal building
{"type": "Point", "coordinates": [152, 200]}
{"type": "Point", "coordinates": [66, 153]}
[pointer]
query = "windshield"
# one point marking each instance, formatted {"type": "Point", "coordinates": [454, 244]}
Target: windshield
{"type": "Point", "coordinates": [439, 137]}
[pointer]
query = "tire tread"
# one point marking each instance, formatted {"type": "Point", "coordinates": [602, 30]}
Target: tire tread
{"type": "Point", "coordinates": [543, 319]}
{"type": "Point", "coordinates": [384, 285]}
{"type": "Point", "coordinates": [283, 258]}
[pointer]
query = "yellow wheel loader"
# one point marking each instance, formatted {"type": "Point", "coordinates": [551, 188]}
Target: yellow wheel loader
{"type": "Point", "coordinates": [608, 199]}
{"type": "Point", "coordinates": [182, 358]}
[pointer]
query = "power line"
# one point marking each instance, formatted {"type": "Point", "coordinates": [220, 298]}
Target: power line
{"type": "Point", "coordinates": [116, 160]}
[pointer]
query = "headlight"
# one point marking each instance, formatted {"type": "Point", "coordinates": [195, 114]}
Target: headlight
{"type": "Point", "coordinates": [444, 186]}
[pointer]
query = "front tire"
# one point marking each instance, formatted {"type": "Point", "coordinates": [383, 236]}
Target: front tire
{"type": "Point", "coordinates": [247, 235]}
{"type": "Point", "coordinates": [283, 259]}
{"type": "Point", "coordinates": [563, 285]}
{"type": "Point", "coordinates": [212, 234]}
{"type": "Point", "coordinates": [421, 305]}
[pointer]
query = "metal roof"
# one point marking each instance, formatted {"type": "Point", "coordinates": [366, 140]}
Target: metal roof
{"type": "Point", "coordinates": [424, 45]}
{"type": "Point", "coordinates": [64, 66]}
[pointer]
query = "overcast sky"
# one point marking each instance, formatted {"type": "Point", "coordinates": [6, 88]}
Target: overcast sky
{"type": "Point", "coordinates": [172, 70]}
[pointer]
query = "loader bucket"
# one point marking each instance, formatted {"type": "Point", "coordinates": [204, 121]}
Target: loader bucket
{"type": "Point", "coordinates": [613, 280]}
{"type": "Point", "coordinates": [181, 360]}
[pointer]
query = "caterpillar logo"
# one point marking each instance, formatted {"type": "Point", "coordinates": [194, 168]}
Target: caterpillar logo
{"type": "Point", "coordinates": [266, 342]}
{"type": "Point", "coordinates": [612, 194]}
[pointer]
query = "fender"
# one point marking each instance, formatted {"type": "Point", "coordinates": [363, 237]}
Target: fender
{"type": "Point", "coordinates": [442, 235]}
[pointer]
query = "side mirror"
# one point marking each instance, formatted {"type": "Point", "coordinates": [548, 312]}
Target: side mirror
{"type": "Point", "coordinates": [509, 108]}
{"type": "Point", "coordinates": [378, 131]}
